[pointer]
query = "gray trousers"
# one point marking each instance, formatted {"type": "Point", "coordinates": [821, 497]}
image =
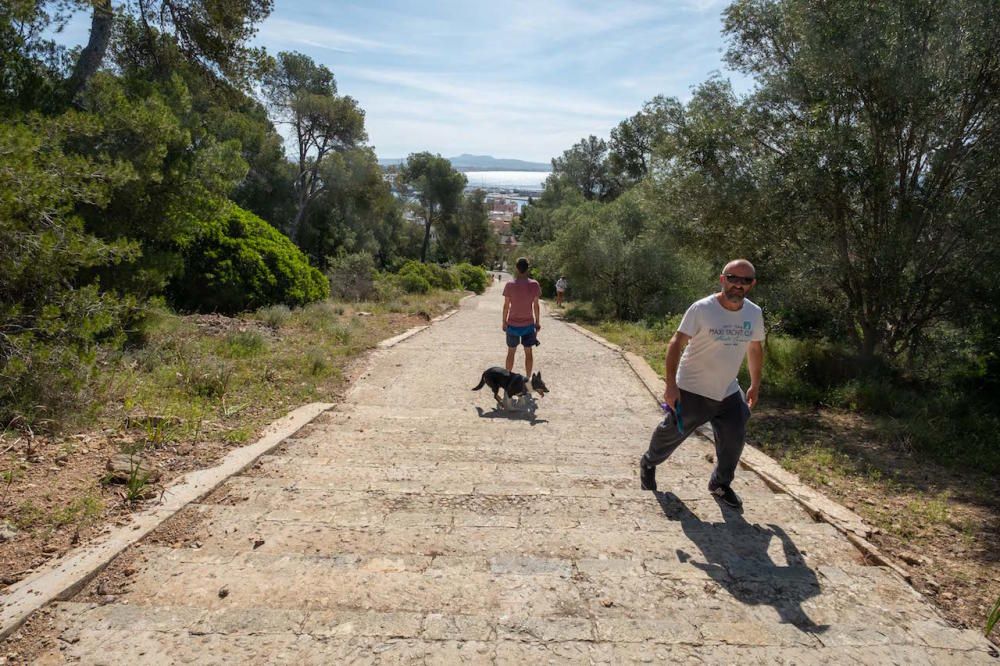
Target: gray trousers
{"type": "Point", "coordinates": [728, 418]}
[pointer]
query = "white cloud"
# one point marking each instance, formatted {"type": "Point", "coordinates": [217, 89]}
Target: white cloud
{"type": "Point", "coordinates": [512, 78]}
{"type": "Point", "coordinates": [461, 93]}
{"type": "Point", "coordinates": [288, 32]}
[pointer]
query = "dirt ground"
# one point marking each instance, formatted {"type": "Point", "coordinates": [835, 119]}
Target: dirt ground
{"type": "Point", "coordinates": [942, 525]}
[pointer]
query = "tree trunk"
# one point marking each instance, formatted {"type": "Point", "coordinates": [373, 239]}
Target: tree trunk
{"type": "Point", "coordinates": [293, 228]}
{"type": "Point", "coordinates": [427, 240]}
{"type": "Point", "coordinates": [93, 54]}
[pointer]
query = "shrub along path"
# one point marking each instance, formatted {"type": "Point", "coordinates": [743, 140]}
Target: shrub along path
{"type": "Point", "coordinates": [413, 523]}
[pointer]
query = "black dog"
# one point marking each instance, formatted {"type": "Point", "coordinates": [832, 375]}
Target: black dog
{"type": "Point", "coordinates": [512, 383]}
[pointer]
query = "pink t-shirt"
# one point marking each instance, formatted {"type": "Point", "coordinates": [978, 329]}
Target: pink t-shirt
{"type": "Point", "coordinates": [522, 294]}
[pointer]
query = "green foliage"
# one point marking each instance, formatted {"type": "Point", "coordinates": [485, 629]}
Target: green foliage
{"type": "Point", "coordinates": [304, 95]}
{"type": "Point", "coordinates": [634, 143]}
{"type": "Point", "coordinates": [180, 172]}
{"type": "Point", "coordinates": [352, 276]}
{"type": "Point", "coordinates": [619, 256]}
{"type": "Point", "coordinates": [868, 150]}
{"type": "Point", "coordinates": [993, 618]}
{"type": "Point", "coordinates": [239, 262]}
{"type": "Point", "coordinates": [414, 283]}
{"type": "Point", "coordinates": [473, 278]}
{"type": "Point", "coordinates": [52, 310]}
{"type": "Point", "coordinates": [587, 168]}
{"type": "Point", "coordinates": [355, 213]}
{"type": "Point", "coordinates": [437, 277]}
{"type": "Point", "coordinates": [30, 62]}
{"type": "Point", "coordinates": [437, 186]}
{"type": "Point", "coordinates": [468, 236]}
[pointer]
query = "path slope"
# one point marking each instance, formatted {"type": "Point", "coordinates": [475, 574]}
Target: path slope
{"type": "Point", "coordinates": [415, 524]}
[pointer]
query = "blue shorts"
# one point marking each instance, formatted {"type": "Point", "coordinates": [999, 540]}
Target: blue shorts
{"type": "Point", "coordinates": [521, 335]}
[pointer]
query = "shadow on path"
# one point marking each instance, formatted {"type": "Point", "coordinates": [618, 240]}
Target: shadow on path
{"type": "Point", "coordinates": [736, 557]}
{"type": "Point", "coordinates": [512, 414]}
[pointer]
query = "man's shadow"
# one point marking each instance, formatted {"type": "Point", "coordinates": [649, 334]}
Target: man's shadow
{"type": "Point", "coordinates": [736, 557]}
{"type": "Point", "coordinates": [525, 412]}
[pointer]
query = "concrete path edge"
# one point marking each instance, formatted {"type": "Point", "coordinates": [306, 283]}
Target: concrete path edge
{"type": "Point", "coordinates": [62, 578]}
{"type": "Point", "coordinates": [820, 507]}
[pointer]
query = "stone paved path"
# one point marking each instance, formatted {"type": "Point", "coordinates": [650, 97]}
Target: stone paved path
{"type": "Point", "coordinates": [414, 524]}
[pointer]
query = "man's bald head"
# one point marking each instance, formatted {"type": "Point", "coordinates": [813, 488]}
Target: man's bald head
{"type": "Point", "coordinates": [742, 266]}
{"type": "Point", "coordinates": [737, 279]}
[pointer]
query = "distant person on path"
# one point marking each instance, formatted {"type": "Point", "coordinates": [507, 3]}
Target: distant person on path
{"type": "Point", "coordinates": [521, 315]}
{"type": "Point", "coordinates": [715, 334]}
{"type": "Point", "coordinates": [561, 285]}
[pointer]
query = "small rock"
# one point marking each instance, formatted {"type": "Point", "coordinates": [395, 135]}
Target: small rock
{"type": "Point", "coordinates": [910, 558]}
{"type": "Point", "coordinates": [223, 591]}
{"type": "Point", "coordinates": [607, 603]}
{"type": "Point", "coordinates": [948, 596]}
{"type": "Point", "coordinates": [7, 531]}
{"type": "Point", "coordinates": [121, 466]}
{"type": "Point", "coordinates": [257, 543]}
{"type": "Point", "coordinates": [362, 313]}
{"type": "Point", "coordinates": [49, 549]}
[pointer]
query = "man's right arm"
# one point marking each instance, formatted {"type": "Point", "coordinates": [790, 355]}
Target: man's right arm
{"type": "Point", "coordinates": [671, 393]}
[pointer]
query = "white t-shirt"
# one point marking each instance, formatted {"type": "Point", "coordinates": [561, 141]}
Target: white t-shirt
{"type": "Point", "coordinates": [719, 339]}
{"type": "Point", "coordinates": [560, 285]}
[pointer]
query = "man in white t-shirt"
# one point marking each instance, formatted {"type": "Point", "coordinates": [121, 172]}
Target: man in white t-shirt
{"type": "Point", "coordinates": [715, 334]}
{"type": "Point", "coordinates": [561, 285]}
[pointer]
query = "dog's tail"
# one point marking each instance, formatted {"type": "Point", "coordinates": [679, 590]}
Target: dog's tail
{"type": "Point", "coordinates": [482, 380]}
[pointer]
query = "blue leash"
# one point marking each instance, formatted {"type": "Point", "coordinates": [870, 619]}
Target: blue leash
{"type": "Point", "coordinates": [676, 411]}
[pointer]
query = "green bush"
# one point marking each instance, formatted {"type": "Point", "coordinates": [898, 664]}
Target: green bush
{"type": "Point", "coordinates": [239, 262]}
{"type": "Point", "coordinates": [444, 278]}
{"type": "Point", "coordinates": [412, 283]}
{"type": "Point", "coordinates": [388, 288]}
{"type": "Point", "coordinates": [437, 277]}
{"type": "Point", "coordinates": [473, 278]}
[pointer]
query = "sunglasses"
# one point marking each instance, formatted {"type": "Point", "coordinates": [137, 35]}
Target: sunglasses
{"type": "Point", "coordinates": [738, 279]}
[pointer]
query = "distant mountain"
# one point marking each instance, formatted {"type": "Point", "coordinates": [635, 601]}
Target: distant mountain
{"type": "Point", "coordinates": [466, 162]}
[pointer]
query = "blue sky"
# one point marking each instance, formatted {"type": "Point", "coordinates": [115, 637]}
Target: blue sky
{"type": "Point", "coordinates": [506, 78]}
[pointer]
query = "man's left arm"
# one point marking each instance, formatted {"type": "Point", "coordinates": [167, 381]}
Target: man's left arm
{"type": "Point", "coordinates": [537, 309]}
{"type": "Point", "coordinates": [755, 364]}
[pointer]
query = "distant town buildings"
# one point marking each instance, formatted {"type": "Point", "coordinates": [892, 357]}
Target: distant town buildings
{"type": "Point", "coordinates": [502, 211]}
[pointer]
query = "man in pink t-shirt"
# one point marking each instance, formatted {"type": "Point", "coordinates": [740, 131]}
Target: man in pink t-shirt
{"type": "Point", "coordinates": [522, 317]}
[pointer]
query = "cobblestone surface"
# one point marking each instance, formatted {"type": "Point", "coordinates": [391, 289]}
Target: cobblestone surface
{"type": "Point", "coordinates": [416, 524]}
